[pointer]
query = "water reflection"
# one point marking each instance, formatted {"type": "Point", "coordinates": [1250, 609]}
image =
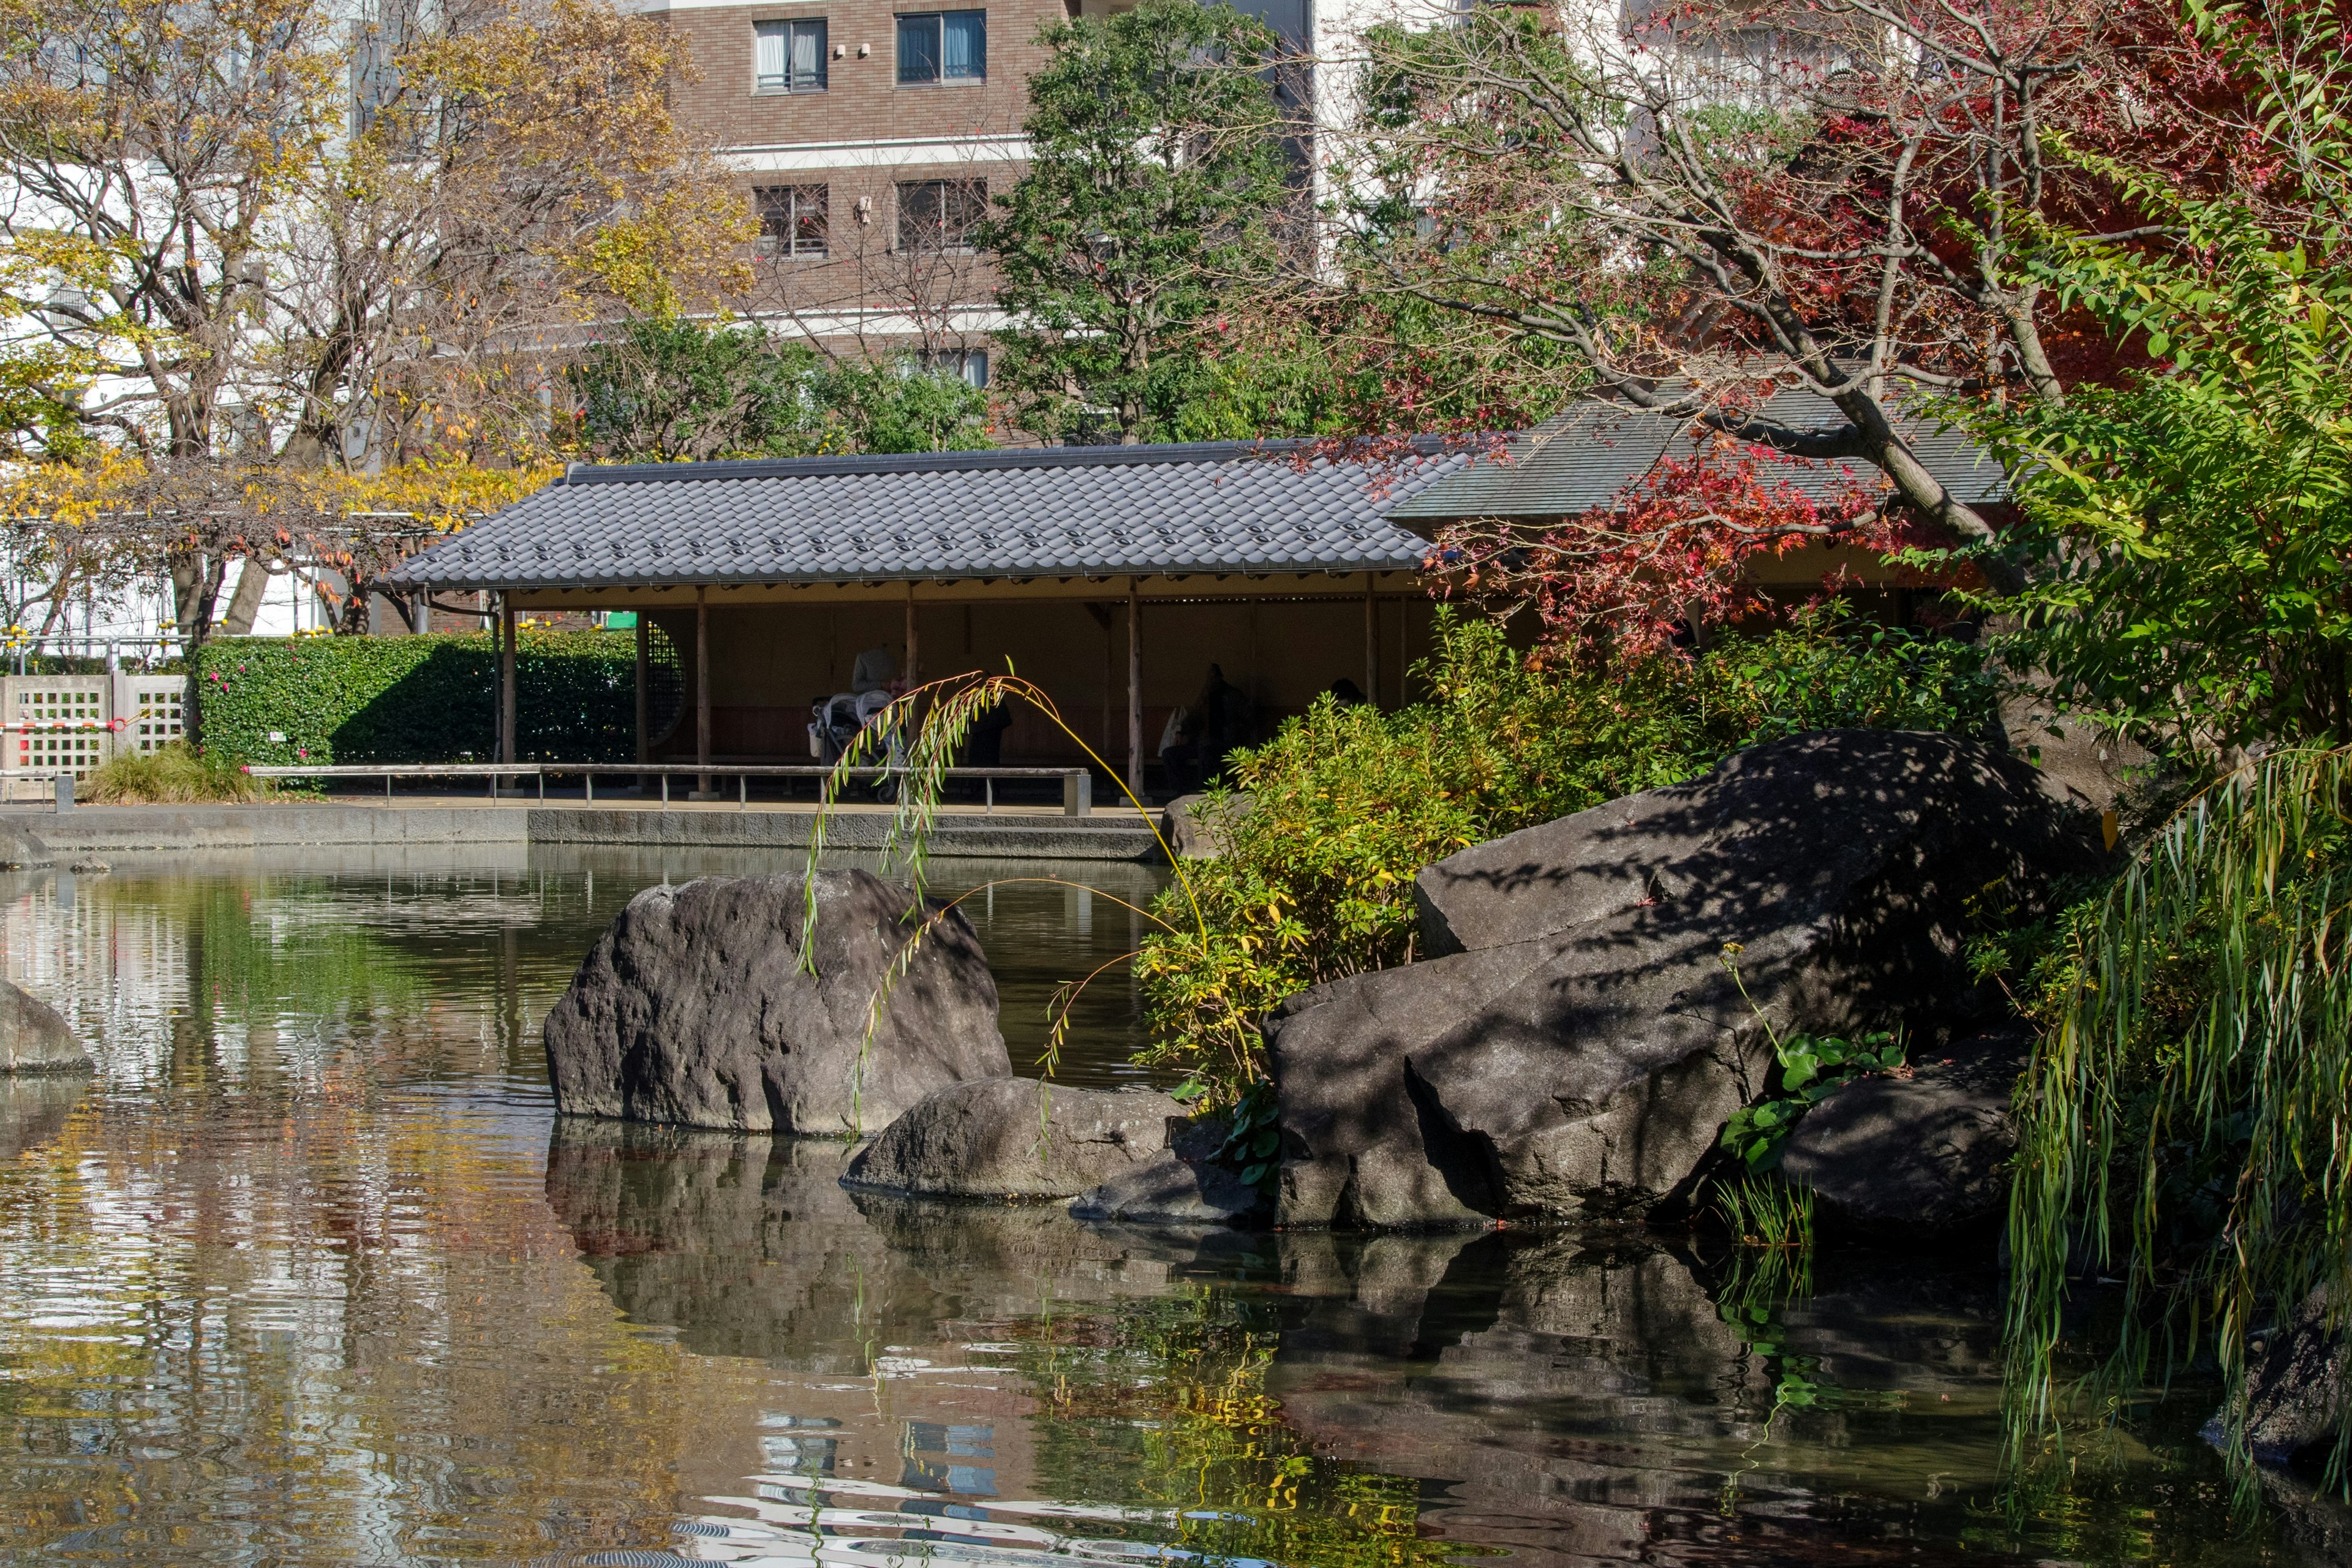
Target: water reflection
{"type": "Point", "coordinates": [307, 1273]}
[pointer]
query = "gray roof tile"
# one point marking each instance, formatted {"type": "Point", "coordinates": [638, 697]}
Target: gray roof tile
{"type": "Point", "coordinates": [1587, 456]}
{"type": "Point", "coordinates": [1090, 511]}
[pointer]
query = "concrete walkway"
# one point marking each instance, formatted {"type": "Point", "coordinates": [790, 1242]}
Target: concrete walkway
{"type": "Point", "coordinates": [1039, 832]}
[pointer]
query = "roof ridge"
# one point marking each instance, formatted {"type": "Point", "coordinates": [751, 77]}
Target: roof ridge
{"type": "Point", "coordinates": [934, 462]}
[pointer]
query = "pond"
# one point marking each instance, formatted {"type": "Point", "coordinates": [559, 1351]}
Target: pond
{"type": "Point", "coordinates": [310, 1273]}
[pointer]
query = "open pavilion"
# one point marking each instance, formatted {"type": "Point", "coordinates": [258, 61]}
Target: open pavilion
{"type": "Point", "coordinates": [1113, 577]}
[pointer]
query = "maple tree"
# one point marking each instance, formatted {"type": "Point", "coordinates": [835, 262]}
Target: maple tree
{"type": "Point", "coordinates": [1696, 208]}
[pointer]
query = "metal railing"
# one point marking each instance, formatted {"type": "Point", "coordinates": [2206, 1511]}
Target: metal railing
{"type": "Point", "coordinates": [1077, 783]}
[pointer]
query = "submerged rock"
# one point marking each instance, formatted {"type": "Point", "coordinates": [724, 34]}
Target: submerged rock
{"type": "Point", "coordinates": [1578, 1044]}
{"type": "Point", "coordinates": [34, 1038]}
{"type": "Point", "coordinates": [693, 1009]}
{"type": "Point", "coordinates": [1911, 1158]}
{"type": "Point", "coordinates": [1015, 1137]}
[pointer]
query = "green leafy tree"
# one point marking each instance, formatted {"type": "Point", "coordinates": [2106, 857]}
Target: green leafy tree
{"type": "Point", "coordinates": [902, 405]}
{"type": "Point", "coordinates": [1156, 181]}
{"type": "Point", "coordinates": [667, 390]}
{"type": "Point", "coordinates": [677, 391]}
{"type": "Point", "coordinates": [2195, 523]}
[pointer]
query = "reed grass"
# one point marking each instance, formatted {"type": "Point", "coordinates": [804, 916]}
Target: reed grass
{"type": "Point", "coordinates": [2186, 1125]}
{"type": "Point", "coordinates": [173, 774]}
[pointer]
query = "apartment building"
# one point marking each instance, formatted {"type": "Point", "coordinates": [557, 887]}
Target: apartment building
{"type": "Point", "coordinates": [870, 134]}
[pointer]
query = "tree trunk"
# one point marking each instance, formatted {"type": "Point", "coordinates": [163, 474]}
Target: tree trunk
{"type": "Point", "coordinates": [252, 584]}
{"type": "Point", "coordinates": [195, 627]}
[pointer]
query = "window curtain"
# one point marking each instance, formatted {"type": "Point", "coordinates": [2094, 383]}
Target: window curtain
{"type": "Point", "coordinates": [967, 45]}
{"type": "Point", "coordinates": [919, 48]}
{"type": "Point", "coordinates": [768, 53]}
{"type": "Point", "coordinates": [808, 56]}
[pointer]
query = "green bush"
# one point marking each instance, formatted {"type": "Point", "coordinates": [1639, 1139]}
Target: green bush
{"type": "Point", "coordinates": [418, 698]}
{"type": "Point", "coordinates": [1347, 804]}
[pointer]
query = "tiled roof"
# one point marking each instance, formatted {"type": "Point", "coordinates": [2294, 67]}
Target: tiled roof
{"type": "Point", "coordinates": [1259, 507]}
{"type": "Point", "coordinates": [1586, 457]}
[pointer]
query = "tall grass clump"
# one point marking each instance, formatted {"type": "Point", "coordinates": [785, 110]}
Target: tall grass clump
{"type": "Point", "coordinates": [2186, 1125]}
{"type": "Point", "coordinates": [174, 774]}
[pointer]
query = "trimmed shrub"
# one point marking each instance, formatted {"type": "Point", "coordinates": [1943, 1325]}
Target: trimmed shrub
{"type": "Point", "coordinates": [418, 698]}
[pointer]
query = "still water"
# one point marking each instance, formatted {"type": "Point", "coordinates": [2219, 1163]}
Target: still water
{"type": "Point", "coordinates": [309, 1273]}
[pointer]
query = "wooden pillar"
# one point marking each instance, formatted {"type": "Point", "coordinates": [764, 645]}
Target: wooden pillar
{"type": "Point", "coordinates": [914, 644]}
{"type": "Point", "coordinates": [702, 690]}
{"type": "Point", "coordinates": [645, 694]}
{"type": "Point", "coordinates": [1110, 679]}
{"type": "Point", "coordinates": [1134, 691]}
{"type": "Point", "coordinates": [506, 679]}
{"type": "Point", "coordinates": [1372, 644]}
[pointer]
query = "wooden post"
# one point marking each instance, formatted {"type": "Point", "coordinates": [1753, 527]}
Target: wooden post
{"type": "Point", "coordinates": [1372, 644]}
{"type": "Point", "coordinates": [702, 692]}
{"type": "Point", "coordinates": [645, 696]}
{"type": "Point", "coordinates": [1134, 691]}
{"type": "Point", "coordinates": [505, 677]}
{"type": "Point", "coordinates": [914, 646]}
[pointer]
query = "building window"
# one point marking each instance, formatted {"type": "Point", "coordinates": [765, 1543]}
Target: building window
{"type": "Point", "coordinates": [792, 219]}
{"type": "Point", "coordinates": [938, 214]}
{"type": "Point", "coordinates": [942, 45]}
{"type": "Point", "coordinates": [972, 364]}
{"type": "Point", "coordinates": [788, 57]}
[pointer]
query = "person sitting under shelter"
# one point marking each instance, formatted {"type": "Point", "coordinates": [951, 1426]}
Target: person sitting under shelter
{"type": "Point", "coordinates": [1218, 722]}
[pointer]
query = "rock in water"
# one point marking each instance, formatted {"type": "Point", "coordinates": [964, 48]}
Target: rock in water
{"type": "Point", "coordinates": [33, 1037]}
{"type": "Point", "coordinates": [1578, 1045]}
{"type": "Point", "coordinates": [1185, 1186]}
{"type": "Point", "coordinates": [693, 1009]}
{"type": "Point", "coordinates": [1915, 1158]}
{"type": "Point", "coordinates": [2298, 1391]}
{"type": "Point", "coordinates": [1013, 1138]}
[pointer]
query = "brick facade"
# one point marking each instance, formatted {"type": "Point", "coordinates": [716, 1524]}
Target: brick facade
{"type": "Point", "coordinates": [860, 138]}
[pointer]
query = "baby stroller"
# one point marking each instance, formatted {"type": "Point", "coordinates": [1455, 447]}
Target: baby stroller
{"type": "Point", "coordinates": [838, 719]}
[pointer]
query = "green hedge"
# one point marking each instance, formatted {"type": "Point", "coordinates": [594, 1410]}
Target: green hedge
{"type": "Point", "coordinates": [418, 698]}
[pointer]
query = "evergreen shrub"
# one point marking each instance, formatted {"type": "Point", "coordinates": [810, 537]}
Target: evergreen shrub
{"type": "Point", "coordinates": [418, 698]}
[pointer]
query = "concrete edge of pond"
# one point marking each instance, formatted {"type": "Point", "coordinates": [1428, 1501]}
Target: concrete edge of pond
{"type": "Point", "coordinates": [180, 829]}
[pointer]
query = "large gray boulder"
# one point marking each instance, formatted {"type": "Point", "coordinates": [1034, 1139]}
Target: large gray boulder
{"type": "Point", "coordinates": [693, 1009]}
{"type": "Point", "coordinates": [1915, 1157]}
{"type": "Point", "coordinates": [34, 1038]}
{"type": "Point", "coordinates": [1015, 1137]}
{"type": "Point", "coordinates": [2297, 1390]}
{"type": "Point", "coordinates": [1578, 1047]}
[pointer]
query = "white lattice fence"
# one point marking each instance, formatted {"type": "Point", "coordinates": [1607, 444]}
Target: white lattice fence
{"type": "Point", "coordinates": [151, 704]}
{"type": "Point", "coordinates": [46, 699]}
